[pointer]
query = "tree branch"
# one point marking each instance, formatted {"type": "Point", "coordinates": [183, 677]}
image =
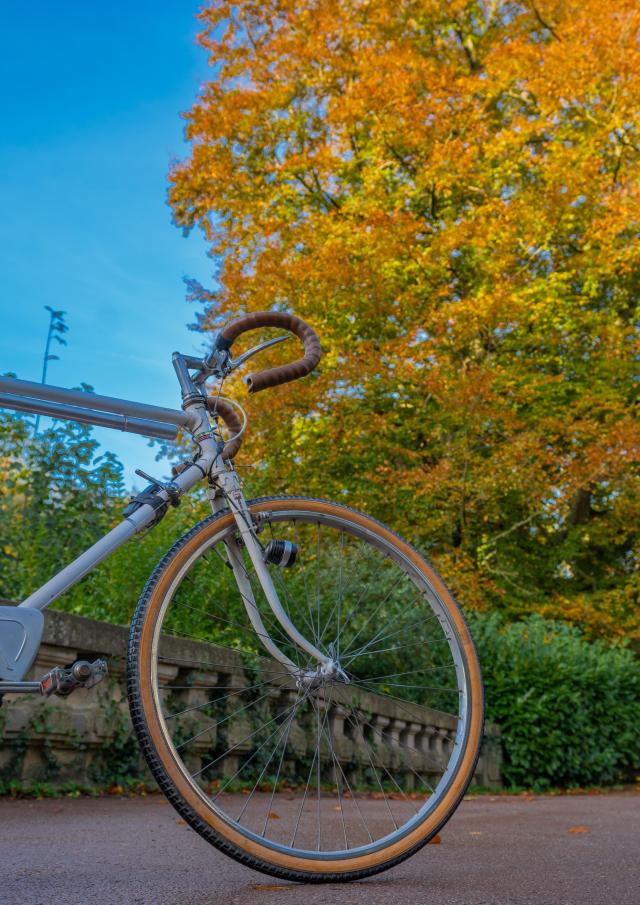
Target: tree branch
{"type": "Point", "coordinates": [318, 192]}
{"type": "Point", "coordinates": [469, 49]}
{"type": "Point", "coordinates": [402, 160]}
{"type": "Point", "coordinates": [549, 28]}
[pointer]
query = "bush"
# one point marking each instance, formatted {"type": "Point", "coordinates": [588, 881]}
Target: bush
{"type": "Point", "coordinates": [568, 709]}
{"type": "Point", "coordinates": [59, 494]}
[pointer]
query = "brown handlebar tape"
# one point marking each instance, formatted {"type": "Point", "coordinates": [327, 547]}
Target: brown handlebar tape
{"type": "Point", "coordinates": [272, 377]}
{"type": "Point", "coordinates": [232, 419]}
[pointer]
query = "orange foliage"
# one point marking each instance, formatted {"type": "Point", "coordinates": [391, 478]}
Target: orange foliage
{"type": "Point", "coordinates": [450, 193]}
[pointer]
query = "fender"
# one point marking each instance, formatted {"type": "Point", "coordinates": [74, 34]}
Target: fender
{"type": "Point", "coordinates": [20, 635]}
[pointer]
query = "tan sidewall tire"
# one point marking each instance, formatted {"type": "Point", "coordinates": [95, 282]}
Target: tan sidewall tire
{"type": "Point", "coordinates": [141, 683]}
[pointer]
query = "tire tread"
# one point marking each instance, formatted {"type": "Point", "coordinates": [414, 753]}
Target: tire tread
{"type": "Point", "coordinates": [163, 778]}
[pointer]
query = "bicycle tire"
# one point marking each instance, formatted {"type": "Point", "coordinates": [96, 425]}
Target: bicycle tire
{"type": "Point", "coordinates": [174, 778]}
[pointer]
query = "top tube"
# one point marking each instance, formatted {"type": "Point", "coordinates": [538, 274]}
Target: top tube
{"type": "Point", "coordinates": [124, 407]}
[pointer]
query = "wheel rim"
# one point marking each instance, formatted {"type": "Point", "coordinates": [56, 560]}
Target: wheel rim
{"type": "Point", "coordinates": [351, 628]}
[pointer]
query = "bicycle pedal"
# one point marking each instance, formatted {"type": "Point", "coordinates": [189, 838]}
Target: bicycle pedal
{"type": "Point", "coordinates": [62, 680]}
{"type": "Point", "coordinates": [280, 553]}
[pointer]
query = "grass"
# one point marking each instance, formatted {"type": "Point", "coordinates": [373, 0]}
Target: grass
{"type": "Point", "coordinates": [482, 791]}
{"type": "Point", "coordinates": [19, 789]}
{"type": "Point", "coordinates": [129, 788]}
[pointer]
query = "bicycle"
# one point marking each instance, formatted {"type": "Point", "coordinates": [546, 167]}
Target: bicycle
{"type": "Point", "coordinates": [324, 642]}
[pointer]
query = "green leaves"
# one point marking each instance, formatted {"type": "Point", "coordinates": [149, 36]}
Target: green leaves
{"type": "Point", "coordinates": [60, 493]}
{"type": "Point", "coordinates": [57, 497]}
{"type": "Point", "coordinates": [568, 710]}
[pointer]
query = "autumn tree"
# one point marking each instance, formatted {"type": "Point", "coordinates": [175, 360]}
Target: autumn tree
{"type": "Point", "coordinates": [450, 193]}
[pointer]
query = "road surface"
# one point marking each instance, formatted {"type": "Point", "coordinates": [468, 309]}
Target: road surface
{"type": "Point", "coordinates": [516, 850]}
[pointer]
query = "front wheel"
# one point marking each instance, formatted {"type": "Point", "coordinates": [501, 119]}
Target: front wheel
{"type": "Point", "coordinates": [307, 776]}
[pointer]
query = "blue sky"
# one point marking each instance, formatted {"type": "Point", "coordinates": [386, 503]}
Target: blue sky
{"type": "Point", "coordinates": [90, 99]}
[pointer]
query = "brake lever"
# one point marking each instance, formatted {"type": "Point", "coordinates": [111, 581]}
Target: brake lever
{"type": "Point", "coordinates": [220, 364]}
{"type": "Point", "coordinates": [234, 363]}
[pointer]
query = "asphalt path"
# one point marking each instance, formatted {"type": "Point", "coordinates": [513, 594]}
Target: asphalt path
{"type": "Point", "coordinates": [515, 850]}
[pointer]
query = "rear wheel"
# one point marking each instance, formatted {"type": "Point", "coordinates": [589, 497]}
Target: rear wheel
{"type": "Point", "coordinates": [313, 777]}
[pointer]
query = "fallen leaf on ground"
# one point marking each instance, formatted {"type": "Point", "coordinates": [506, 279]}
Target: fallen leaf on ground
{"type": "Point", "coordinates": [273, 815]}
{"type": "Point", "coordinates": [578, 829]}
{"type": "Point", "coordinates": [436, 840]}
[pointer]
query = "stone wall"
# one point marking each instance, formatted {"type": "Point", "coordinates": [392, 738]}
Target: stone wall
{"type": "Point", "coordinates": [87, 737]}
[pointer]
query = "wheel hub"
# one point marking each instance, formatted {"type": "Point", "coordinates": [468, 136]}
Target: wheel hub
{"type": "Point", "coordinates": [329, 673]}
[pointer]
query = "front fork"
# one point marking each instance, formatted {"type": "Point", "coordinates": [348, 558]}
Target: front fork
{"type": "Point", "coordinates": [226, 487]}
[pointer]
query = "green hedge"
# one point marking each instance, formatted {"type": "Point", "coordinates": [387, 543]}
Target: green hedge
{"type": "Point", "coordinates": [568, 709]}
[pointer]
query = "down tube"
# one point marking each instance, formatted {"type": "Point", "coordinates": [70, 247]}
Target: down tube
{"type": "Point", "coordinates": [135, 522]}
{"type": "Point", "coordinates": [81, 566]}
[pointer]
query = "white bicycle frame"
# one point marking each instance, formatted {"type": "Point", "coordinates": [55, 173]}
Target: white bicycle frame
{"type": "Point", "coordinates": [18, 652]}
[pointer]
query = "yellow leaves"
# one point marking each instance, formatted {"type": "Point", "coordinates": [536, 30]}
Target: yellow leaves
{"type": "Point", "coordinates": [458, 215]}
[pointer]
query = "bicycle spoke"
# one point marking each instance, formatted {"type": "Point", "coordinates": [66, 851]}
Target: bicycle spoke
{"type": "Point", "coordinates": [275, 782]}
{"type": "Point", "coordinates": [288, 723]}
{"type": "Point", "coordinates": [317, 633]}
{"type": "Point", "coordinates": [241, 742]}
{"type": "Point", "coordinates": [353, 798]}
{"type": "Point", "coordinates": [340, 574]}
{"type": "Point", "coordinates": [376, 731]}
{"type": "Point", "coordinates": [354, 608]}
{"type": "Point", "coordinates": [240, 769]}
{"type": "Point", "coordinates": [402, 704]}
{"type": "Point", "coordinates": [220, 722]}
{"type": "Point", "coordinates": [249, 629]}
{"type": "Point", "coordinates": [317, 738]}
{"type": "Point", "coordinates": [306, 789]}
{"type": "Point", "coordinates": [335, 764]}
{"type": "Point", "coordinates": [378, 780]}
{"type": "Point", "coordinates": [309, 621]}
{"type": "Point", "coordinates": [384, 650]}
{"type": "Point", "coordinates": [404, 628]}
{"type": "Point", "coordinates": [383, 694]}
{"type": "Point", "coordinates": [236, 691]}
{"type": "Point", "coordinates": [408, 672]}
{"type": "Point", "coordinates": [355, 714]}
{"type": "Point", "coordinates": [318, 771]}
{"type": "Point", "coordinates": [287, 601]}
{"type": "Point", "coordinates": [369, 618]}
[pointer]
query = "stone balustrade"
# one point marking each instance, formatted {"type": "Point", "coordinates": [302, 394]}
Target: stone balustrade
{"type": "Point", "coordinates": [87, 738]}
